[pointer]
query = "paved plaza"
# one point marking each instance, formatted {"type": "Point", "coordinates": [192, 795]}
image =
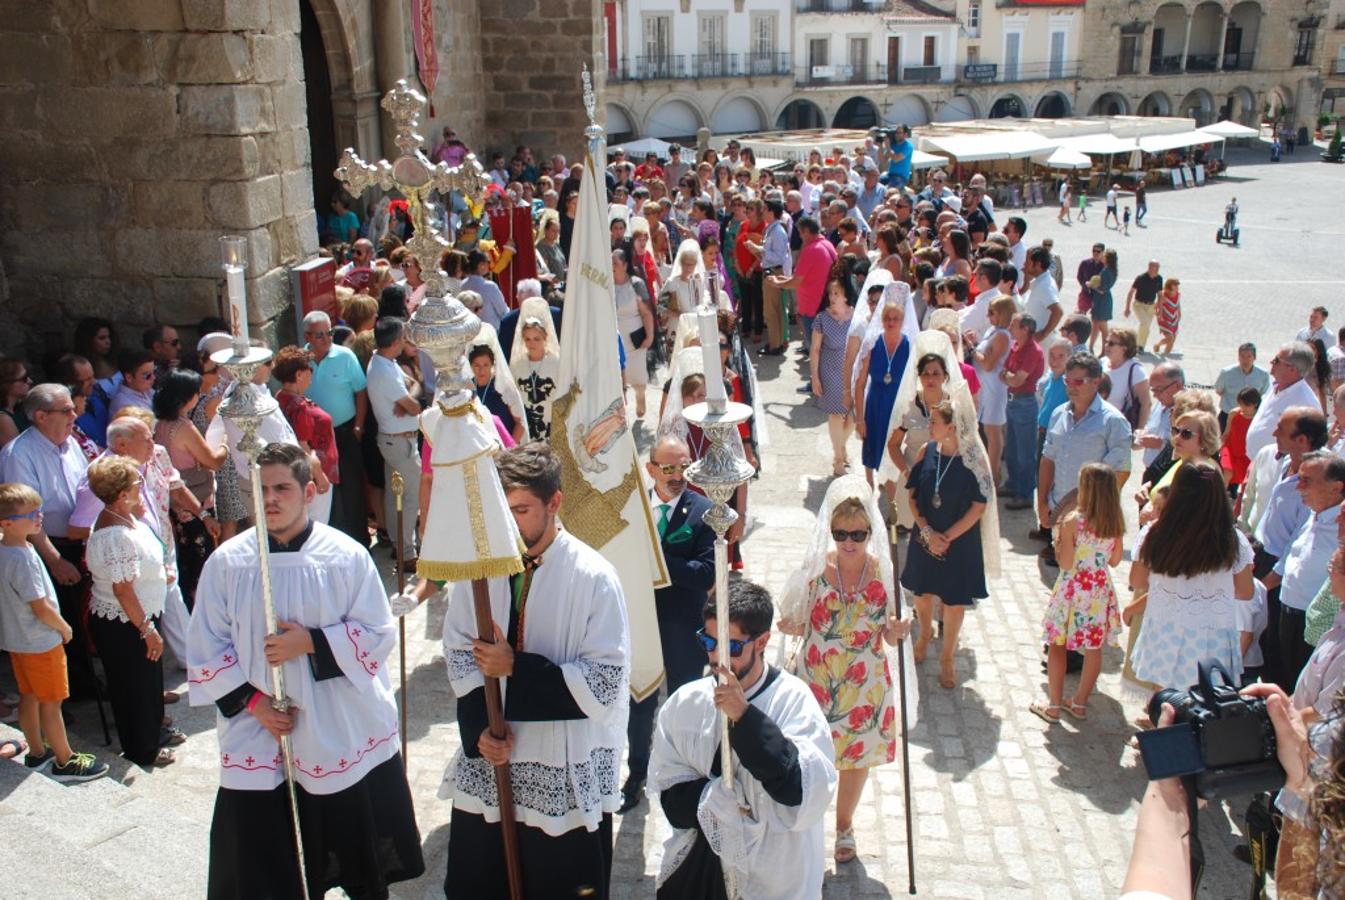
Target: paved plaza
{"type": "Point", "coordinates": [1004, 806]}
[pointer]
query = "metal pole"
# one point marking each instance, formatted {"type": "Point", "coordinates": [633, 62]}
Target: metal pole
{"type": "Point", "coordinates": [905, 738]}
{"type": "Point", "coordinates": [399, 488]}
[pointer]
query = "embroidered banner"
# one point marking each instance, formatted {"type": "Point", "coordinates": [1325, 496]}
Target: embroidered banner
{"type": "Point", "coordinates": [427, 57]}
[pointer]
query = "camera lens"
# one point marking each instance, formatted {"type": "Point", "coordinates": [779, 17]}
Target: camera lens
{"type": "Point", "coordinates": [1176, 697]}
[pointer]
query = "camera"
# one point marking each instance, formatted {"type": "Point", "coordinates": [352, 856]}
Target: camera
{"type": "Point", "coordinates": [889, 136]}
{"type": "Point", "coordinates": [1223, 739]}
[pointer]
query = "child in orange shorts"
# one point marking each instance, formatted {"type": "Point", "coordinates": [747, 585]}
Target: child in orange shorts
{"type": "Point", "coordinates": [32, 630]}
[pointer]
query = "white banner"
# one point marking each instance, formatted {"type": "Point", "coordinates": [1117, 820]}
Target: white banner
{"type": "Point", "coordinates": [605, 502]}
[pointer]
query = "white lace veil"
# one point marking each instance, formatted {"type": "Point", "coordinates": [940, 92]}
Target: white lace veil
{"type": "Point", "coordinates": [969, 443]}
{"type": "Point", "coordinates": [504, 377]}
{"type": "Point", "coordinates": [687, 362]}
{"type": "Point", "coordinates": [688, 298]}
{"type": "Point", "coordinates": [897, 293]}
{"type": "Point", "coordinates": [793, 605]}
{"type": "Point", "coordinates": [877, 277]}
{"type": "Point", "coordinates": [532, 312]}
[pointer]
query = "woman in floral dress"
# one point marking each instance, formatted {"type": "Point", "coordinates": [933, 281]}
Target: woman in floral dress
{"type": "Point", "coordinates": [845, 610]}
{"type": "Point", "coordinates": [1083, 611]}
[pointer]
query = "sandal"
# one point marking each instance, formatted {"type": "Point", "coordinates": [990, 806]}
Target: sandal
{"type": "Point", "coordinates": [164, 757]}
{"type": "Point", "coordinates": [171, 737]}
{"type": "Point", "coordinates": [1077, 710]}
{"type": "Point", "coordinates": [15, 746]}
{"type": "Point", "coordinates": [845, 846]}
{"type": "Point", "coordinates": [1047, 712]}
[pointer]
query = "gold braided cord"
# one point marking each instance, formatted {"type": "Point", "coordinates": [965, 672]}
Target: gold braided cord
{"type": "Point", "coordinates": [489, 451]}
{"type": "Point", "coordinates": [455, 412]}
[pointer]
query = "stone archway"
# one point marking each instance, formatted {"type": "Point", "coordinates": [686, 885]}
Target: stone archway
{"type": "Point", "coordinates": [675, 118]}
{"type": "Point", "coordinates": [1240, 107]}
{"type": "Point", "coordinates": [800, 114]}
{"type": "Point", "coordinates": [857, 112]}
{"type": "Point", "coordinates": [319, 90]}
{"type": "Point", "coordinates": [957, 108]}
{"type": "Point", "coordinates": [1010, 106]}
{"type": "Point", "coordinates": [1155, 104]}
{"type": "Point", "coordinates": [1052, 105]}
{"type": "Point", "coordinates": [738, 114]}
{"type": "Point", "coordinates": [1198, 105]}
{"type": "Point", "coordinates": [1110, 104]}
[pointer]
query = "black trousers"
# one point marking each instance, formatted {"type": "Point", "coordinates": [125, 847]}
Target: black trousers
{"type": "Point", "coordinates": [134, 687]}
{"type": "Point", "coordinates": [73, 600]}
{"type": "Point", "coordinates": [750, 298]}
{"type": "Point", "coordinates": [1294, 650]}
{"type": "Point", "coordinates": [683, 661]}
{"type": "Point", "coordinates": [578, 863]}
{"type": "Point", "coordinates": [350, 512]}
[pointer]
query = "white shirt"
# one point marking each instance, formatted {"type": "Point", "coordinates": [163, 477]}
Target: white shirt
{"type": "Point", "coordinates": [387, 385]}
{"type": "Point", "coordinates": [1064, 191]}
{"type": "Point", "coordinates": [977, 316]}
{"type": "Point", "coordinates": [1303, 568]}
{"type": "Point", "coordinates": [120, 553]}
{"type": "Point", "coordinates": [1266, 469]}
{"type": "Point", "coordinates": [1321, 334]}
{"type": "Point", "coordinates": [1160, 424]}
{"type": "Point", "coordinates": [1262, 430]}
{"type": "Point", "coordinates": [1018, 255]}
{"type": "Point", "coordinates": [1042, 294]}
{"type": "Point", "coordinates": [1111, 197]}
{"type": "Point", "coordinates": [493, 307]}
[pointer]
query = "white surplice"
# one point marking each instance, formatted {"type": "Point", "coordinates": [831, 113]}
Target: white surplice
{"type": "Point", "coordinates": [775, 851]}
{"type": "Point", "coordinates": [566, 772]}
{"type": "Point", "coordinates": [346, 725]}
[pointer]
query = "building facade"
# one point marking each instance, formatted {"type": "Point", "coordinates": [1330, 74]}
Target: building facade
{"type": "Point", "coordinates": [1333, 60]}
{"type": "Point", "coordinates": [854, 63]}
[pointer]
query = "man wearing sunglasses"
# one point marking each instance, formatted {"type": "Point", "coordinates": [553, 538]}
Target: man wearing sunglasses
{"type": "Point", "coordinates": [137, 369]}
{"type": "Point", "coordinates": [770, 825]}
{"type": "Point", "coordinates": [689, 551]}
{"type": "Point", "coordinates": [164, 343]}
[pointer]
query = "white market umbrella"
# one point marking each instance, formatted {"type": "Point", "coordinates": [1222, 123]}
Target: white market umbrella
{"type": "Point", "coordinates": [1063, 158]}
{"type": "Point", "coordinates": [638, 149]}
{"type": "Point", "coordinates": [1229, 129]}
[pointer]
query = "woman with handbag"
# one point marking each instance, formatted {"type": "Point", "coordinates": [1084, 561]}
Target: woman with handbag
{"type": "Point", "coordinates": [1129, 383]}
{"type": "Point", "coordinates": [635, 322]}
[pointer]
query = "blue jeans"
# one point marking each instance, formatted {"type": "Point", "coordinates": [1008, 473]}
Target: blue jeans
{"type": "Point", "coordinates": [1020, 446]}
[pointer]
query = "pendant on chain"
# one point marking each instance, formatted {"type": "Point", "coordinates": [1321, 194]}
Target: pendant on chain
{"type": "Point", "coordinates": [937, 501]}
{"type": "Point", "coordinates": [887, 378]}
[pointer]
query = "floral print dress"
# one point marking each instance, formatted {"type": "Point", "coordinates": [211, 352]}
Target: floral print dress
{"type": "Point", "coordinates": [846, 667]}
{"type": "Point", "coordinates": [1083, 611]}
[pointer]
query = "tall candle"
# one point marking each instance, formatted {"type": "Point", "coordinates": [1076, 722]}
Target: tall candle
{"type": "Point", "coordinates": [708, 321]}
{"type": "Point", "coordinates": [238, 307]}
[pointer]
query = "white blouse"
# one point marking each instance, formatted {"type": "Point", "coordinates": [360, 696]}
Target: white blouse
{"type": "Point", "coordinates": [118, 553]}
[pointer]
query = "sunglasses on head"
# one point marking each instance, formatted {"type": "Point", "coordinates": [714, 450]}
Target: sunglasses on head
{"type": "Point", "coordinates": [711, 644]}
{"type": "Point", "coordinates": [673, 468]}
{"type": "Point", "coordinates": [840, 535]}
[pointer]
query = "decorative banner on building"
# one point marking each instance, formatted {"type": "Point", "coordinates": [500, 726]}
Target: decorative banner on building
{"type": "Point", "coordinates": [427, 57]}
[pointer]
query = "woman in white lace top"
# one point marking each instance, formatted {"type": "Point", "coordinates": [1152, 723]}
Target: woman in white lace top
{"type": "Point", "coordinates": [126, 559]}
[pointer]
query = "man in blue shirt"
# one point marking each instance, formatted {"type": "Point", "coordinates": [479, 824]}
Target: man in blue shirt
{"type": "Point", "coordinates": [1084, 430]}
{"type": "Point", "coordinates": [339, 387]}
{"type": "Point", "coordinates": [896, 153]}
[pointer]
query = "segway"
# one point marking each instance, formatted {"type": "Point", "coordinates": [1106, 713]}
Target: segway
{"type": "Point", "coordinates": [1229, 231]}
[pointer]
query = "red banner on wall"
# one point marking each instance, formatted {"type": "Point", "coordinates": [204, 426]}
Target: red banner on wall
{"type": "Point", "coordinates": [427, 56]}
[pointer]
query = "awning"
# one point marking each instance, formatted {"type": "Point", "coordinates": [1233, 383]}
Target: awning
{"type": "Point", "coordinates": [1097, 144]}
{"type": "Point", "coordinates": [1157, 143]}
{"type": "Point", "coordinates": [990, 145]}
{"type": "Point", "coordinates": [1063, 158]}
{"type": "Point", "coordinates": [1228, 129]}
{"type": "Point", "coordinates": [638, 149]}
{"type": "Point", "coordinates": [922, 160]}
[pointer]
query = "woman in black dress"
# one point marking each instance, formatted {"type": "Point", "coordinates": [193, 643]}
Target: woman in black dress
{"type": "Point", "coordinates": [944, 559]}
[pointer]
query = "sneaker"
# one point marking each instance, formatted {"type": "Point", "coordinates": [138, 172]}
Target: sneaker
{"type": "Point", "coordinates": [79, 767]}
{"type": "Point", "coordinates": [40, 763]}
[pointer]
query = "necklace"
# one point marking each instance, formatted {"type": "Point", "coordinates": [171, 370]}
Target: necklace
{"type": "Point", "coordinates": [130, 522]}
{"type": "Point", "coordinates": [859, 585]}
{"type": "Point", "coordinates": [940, 471]}
{"type": "Point", "coordinates": [887, 375]}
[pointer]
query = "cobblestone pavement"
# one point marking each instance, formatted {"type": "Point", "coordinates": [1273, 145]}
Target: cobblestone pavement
{"type": "Point", "coordinates": [1004, 806]}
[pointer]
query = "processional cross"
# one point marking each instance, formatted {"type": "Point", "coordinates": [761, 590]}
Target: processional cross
{"type": "Point", "coordinates": [415, 176]}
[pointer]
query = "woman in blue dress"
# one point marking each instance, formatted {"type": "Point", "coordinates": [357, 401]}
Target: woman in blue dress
{"type": "Point", "coordinates": [880, 372]}
{"type": "Point", "coordinates": [945, 559]}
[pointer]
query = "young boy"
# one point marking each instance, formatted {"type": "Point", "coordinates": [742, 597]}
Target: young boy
{"type": "Point", "coordinates": [1125, 221]}
{"type": "Point", "coordinates": [33, 632]}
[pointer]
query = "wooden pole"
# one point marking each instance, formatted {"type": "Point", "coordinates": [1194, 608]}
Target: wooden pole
{"type": "Point", "coordinates": [905, 737]}
{"type": "Point", "coordinates": [504, 789]}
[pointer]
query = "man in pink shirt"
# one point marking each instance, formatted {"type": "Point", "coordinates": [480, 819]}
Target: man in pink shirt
{"type": "Point", "coordinates": [809, 279]}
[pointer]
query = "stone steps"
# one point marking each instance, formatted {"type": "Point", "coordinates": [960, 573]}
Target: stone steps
{"type": "Point", "coordinates": [99, 839]}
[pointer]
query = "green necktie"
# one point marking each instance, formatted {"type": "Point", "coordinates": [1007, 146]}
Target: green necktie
{"type": "Point", "coordinates": [664, 511]}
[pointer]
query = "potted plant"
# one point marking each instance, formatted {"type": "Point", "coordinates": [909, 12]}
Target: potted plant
{"type": "Point", "coordinates": [1333, 151]}
{"type": "Point", "coordinates": [1323, 120]}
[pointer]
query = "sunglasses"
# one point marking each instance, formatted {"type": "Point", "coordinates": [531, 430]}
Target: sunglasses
{"type": "Point", "coordinates": [1076, 382]}
{"type": "Point", "coordinates": [317, 334]}
{"type": "Point", "coordinates": [673, 468]}
{"type": "Point", "coordinates": [1184, 433]}
{"type": "Point", "coordinates": [147, 376]}
{"type": "Point", "coordinates": [840, 535]}
{"type": "Point", "coordinates": [175, 342]}
{"type": "Point", "coordinates": [710, 644]}
{"type": "Point", "coordinates": [28, 515]}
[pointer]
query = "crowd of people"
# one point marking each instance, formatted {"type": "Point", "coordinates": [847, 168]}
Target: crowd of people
{"type": "Point", "coordinates": [937, 341]}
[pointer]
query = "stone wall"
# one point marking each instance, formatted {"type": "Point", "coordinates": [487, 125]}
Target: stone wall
{"type": "Point", "coordinates": [532, 53]}
{"type": "Point", "coordinates": [137, 132]}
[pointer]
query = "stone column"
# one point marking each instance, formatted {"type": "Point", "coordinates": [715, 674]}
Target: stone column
{"type": "Point", "coordinates": [1223, 36]}
{"type": "Point", "coordinates": [392, 49]}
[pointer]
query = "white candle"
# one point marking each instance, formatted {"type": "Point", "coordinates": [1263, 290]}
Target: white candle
{"type": "Point", "coordinates": [714, 370]}
{"type": "Point", "coordinates": [238, 308]}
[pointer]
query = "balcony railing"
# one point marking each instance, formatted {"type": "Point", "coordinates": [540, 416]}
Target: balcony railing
{"type": "Point", "coordinates": [699, 65]}
{"type": "Point", "coordinates": [1038, 71]}
{"type": "Point", "coordinates": [1202, 62]}
{"type": "Point", "coordinates": [1238, 61]}
{"type": "Point", "coordinates": [1165, 65]}
{"type": "Point", "coordinates": [875, 73]}
{"type": "Point", "coordinates": [823, 6]}
{"type": "Point", "coordinates": [922, 74]}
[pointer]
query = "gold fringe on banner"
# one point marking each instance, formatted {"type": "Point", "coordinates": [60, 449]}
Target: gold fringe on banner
{"type": "Point", "coordinates": [502, 567]}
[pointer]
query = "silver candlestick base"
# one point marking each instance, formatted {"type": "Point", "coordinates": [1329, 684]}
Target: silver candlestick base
{"type": "Point", "coordinates": [722, 469]}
